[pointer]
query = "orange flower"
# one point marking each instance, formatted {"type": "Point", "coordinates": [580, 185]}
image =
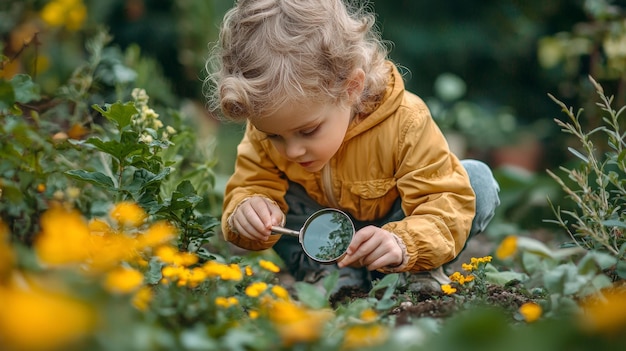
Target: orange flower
{"type": "Point", "coordinates": [77, 131]}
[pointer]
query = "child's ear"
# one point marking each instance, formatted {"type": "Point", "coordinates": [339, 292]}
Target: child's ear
{"type": "Point", "coordinates": [356, 84]}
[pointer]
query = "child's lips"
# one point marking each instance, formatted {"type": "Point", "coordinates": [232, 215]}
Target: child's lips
{"type": "Point", "coordinates": [305, 164]}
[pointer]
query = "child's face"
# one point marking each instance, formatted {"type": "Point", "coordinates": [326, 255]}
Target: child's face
{"type": "Point", "coordinates": [308, 134]}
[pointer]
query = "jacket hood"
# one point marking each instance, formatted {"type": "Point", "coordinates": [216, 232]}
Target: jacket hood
{"type": "Point", "coordinates": [389, 104]}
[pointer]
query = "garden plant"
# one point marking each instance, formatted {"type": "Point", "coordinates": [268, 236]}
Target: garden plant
{"type": "Point", "coordinates": [109, 231]}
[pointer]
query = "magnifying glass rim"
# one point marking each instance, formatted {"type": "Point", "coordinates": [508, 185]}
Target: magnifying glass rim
{"type": "Point", "coordinates": [308, 222]}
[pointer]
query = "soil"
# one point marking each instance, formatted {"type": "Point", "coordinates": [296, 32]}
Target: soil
{"type": "Point", "coordinates": [428, 302]}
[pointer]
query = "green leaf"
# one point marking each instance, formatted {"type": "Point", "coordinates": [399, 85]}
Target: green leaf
{"type": "Point", "coordinates": [25, 89]}
{"type": "Point", "coordinates": [600, 260]}
{"type": "Point", "coordinates": [154, 275]}
{"type": "Point", "coordinates": [621, 269]}
{"type": "Point", "coordinates": [114, 148]}
{"type": "Point", "coordinates": [533, 246]}
{"type": "Point", "coordinates": [184, 196]}
{"type": "Point", "coordinates": [578, 154]}
{"type": "Point", "coordinates": [330, 282]}
{"type": "Point", "coordinates": [614, 223]}
{"type": "Point", "coordinates": [389, 282]}
{"type": "Point", "coordinates": [311, 295]}
{"type": "Point", "coordinates": [7, 95]}
{"type": "Point", "coordinates": [95, 178]}
{"type": "Point", "coordinates": [118, 113]}
{"type": "Point", "coordinates": [502, 278]}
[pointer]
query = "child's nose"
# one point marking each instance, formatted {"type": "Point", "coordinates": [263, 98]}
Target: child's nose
{"type": "Point", "coordinates": [293, 150]}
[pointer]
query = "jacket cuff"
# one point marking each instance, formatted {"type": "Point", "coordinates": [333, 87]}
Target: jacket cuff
{"type": "Point", "coordinates": [403, 266]}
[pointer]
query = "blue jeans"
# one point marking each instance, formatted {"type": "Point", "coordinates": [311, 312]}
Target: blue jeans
{"type": "Point", "coordinates": [301, 206]}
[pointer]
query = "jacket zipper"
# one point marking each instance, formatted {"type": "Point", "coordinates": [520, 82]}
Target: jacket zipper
{"type": "Point", "coordinates": [327, 186]}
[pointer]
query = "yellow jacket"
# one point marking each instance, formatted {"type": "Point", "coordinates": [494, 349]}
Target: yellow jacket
{"type": "Point", "coordinates": [397, 151]}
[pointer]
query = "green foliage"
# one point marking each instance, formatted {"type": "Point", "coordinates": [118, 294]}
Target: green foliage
{"type": "Point", "coordinates": [24, 157]}
{"type": "Point", "coordinates": [598, 184]}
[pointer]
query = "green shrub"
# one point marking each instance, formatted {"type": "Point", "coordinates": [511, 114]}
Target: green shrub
{"type": "Point", "coordinates": [598, 185]}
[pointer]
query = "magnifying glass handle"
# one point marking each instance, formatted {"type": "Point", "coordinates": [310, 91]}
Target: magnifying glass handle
{"type": "Point", "coordinates": [285, 231]}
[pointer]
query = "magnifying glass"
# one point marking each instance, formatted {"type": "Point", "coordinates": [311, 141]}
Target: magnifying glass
{"type": "Point", "coordinates": [325, 236]}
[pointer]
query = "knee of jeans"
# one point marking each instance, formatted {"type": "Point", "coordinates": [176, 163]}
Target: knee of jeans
{"type": "Point", "coordinates": [486, 189]}
{"type": "Point", "coordinates": [482, 180]}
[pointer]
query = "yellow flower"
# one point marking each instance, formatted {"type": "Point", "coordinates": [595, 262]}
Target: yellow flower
{"type": "Point", "coordinates": [280, 292]}
{"type": "Point", "coordinates": [68, 13]}
{"type": "Point", "coordinates": [605, 312]}
{"type": "Point", "coordinates": [141, 299]}
{"type": "Point", "coordinates": [158, 233]}
{"type": "Point", "coordinates": [123, 280]}
{"type": "Point", "coordinates": [188, 259]}
{"type": "Point", "coordinates": [128, 214]}
{"type": "Point", "coordinates": [360, 336]}
{"type": "Point", "coordinates": [253, 314]}
{"type": "Point", "coordinates": [507, 248]}
{"type": "Point", "coordinates": [369, 315]}
{"type": "Point", "coordinates": [196, 276]}
{"type": "Point", "coordinates": [255, 289]}
{"type": "Point", "coordinates": [467, 267]}
{"type": "Point", "coordinates": [173, 272]}
{"type": "Point", "coordinates": [269, 265]}
{"type": "Point", "coordinates": [39, 320]}
{"type": "Point", "coordinates": [530, 311]}
{"type": "Point", "coordinates": [460, 278]}
{"type": "Point", "coordinates": [7, 258]}
{"type": "Point", "coordinates": [295, 323]}
{"type": "Point", "coordinates": [226, 302]}
{"type": "Point", "coordinates": [232, 272]}
{"type": "Point", "coordinates": [64, 237]}
{"type": "Point", "coordinates": [448, 289]}
{"type": "Point", "coordinates": [249, 271]}
{"type": "Point", "coordinates": [99, 227]}
{"type": "Point", "coordinates": [167, 254]}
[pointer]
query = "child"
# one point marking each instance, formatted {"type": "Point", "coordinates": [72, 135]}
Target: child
{"type": "Point", "coordinates": [330, 124]}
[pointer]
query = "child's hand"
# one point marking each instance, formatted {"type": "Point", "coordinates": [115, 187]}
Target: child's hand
{"type": "Point", "coordinates": [255, 217]}
{"type": "Point", "coordinates": [374, 248]}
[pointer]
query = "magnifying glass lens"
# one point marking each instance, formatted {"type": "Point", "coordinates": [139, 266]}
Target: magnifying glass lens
{"type": "Point", "coordinates": [327, 235]}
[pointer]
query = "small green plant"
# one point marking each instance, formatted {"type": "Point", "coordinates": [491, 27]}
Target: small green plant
{"type": "Point", "coordinates": [598, 185]}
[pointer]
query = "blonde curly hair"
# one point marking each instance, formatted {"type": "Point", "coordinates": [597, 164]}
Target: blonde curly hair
{"type": "Point", "coordinates": [273, 52]}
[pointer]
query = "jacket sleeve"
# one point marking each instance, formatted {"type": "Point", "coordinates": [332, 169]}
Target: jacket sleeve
{"type": "Point", "coordinates": [255, 175]}
{"type": "Point", "coordinates": [436, 196]}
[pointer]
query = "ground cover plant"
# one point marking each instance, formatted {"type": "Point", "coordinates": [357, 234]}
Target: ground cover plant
{"type": "Point", "coordinates": [109, 237]}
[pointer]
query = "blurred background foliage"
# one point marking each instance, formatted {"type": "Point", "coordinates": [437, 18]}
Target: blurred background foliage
{"type": "Point", "coordinates": [484, 68]}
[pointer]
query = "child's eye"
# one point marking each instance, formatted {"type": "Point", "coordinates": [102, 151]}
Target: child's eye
{"type": "Point", "coordinates": [272, 136]}
{"type": "Point", "coordinates": [310, 131]}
